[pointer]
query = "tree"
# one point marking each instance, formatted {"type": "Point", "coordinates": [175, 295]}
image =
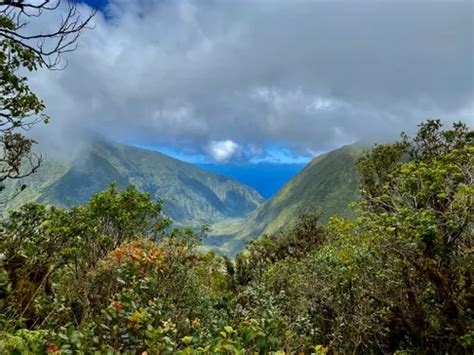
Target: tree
{"type": "Point", "coordinates": [21, 50]}
{"type": "Point", "coordinates": [38, 243]}
{"type": "Point", "coordinates": [420, 195]}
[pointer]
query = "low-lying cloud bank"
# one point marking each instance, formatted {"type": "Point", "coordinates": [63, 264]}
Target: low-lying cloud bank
{"type": "Point", "coordinates": [227, 78]}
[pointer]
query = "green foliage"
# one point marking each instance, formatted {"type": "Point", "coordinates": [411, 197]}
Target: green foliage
{"type": "Point", "coordinates": [294, 243]}
{"type": "Point", "coordinates": [44, 246]}
{"type": "Point", "coordinates": [399, 277]}
{"type": "Point", "coordinates": [112, 276]}
{"type": "Point", "coordinates": [423, 205]}
{"type": "Point", "coordinates": [24, 342]}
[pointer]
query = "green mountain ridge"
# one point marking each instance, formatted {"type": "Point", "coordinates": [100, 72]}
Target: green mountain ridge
{"type": "Point", "coordinates": [190, 195]}
{"type": "Point", "coordinates": [329, 182]}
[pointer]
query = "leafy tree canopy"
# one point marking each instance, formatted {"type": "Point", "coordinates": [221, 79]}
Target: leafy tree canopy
{"type": "Point", "coordinates": [113, 276]}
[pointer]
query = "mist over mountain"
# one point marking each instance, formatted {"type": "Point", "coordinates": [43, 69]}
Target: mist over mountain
{"type": "Point", "coordinates": [190, 195]}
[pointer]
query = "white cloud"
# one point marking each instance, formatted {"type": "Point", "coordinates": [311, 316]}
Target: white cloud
{"type": "Point", "coordinates": [222, 151]}
{"type": "Point", "coordinates": [307, 75]}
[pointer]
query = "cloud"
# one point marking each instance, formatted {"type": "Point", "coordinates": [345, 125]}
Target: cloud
{"type": "Point", "coordinates": [222, 151]}
{"type": "Point", "coordinates": [306, 75]}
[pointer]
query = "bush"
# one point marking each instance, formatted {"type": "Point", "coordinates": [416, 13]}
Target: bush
{"type": "Point", "coordinates": [113, 277]}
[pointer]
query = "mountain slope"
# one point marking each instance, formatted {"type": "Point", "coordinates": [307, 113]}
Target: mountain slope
{"type": "Point", "coordinates": [190, 195]}
{"type": "Point", "coordinates": [328, 182]}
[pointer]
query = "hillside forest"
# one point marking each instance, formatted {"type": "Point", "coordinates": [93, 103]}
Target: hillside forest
{"type": "Point", "coordinates": [111, 276]}
{"type": "Point", "coordinates": [392, 274]}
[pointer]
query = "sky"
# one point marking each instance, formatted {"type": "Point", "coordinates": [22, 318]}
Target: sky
{"type": "Point", "coordinates": [242, 82]}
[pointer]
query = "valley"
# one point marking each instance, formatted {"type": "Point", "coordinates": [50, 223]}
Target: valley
{"type": "Point", "coordinates": [192, 196]}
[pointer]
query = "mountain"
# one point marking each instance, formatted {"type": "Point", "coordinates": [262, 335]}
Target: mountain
{"type": "Point", "coordinates": [328, 182]}
{"type": "Point", "coordinates": [191, 195]}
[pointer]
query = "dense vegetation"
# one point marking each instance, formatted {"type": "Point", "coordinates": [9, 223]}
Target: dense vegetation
{"type": "Point", "coordinates": [113, 276]}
